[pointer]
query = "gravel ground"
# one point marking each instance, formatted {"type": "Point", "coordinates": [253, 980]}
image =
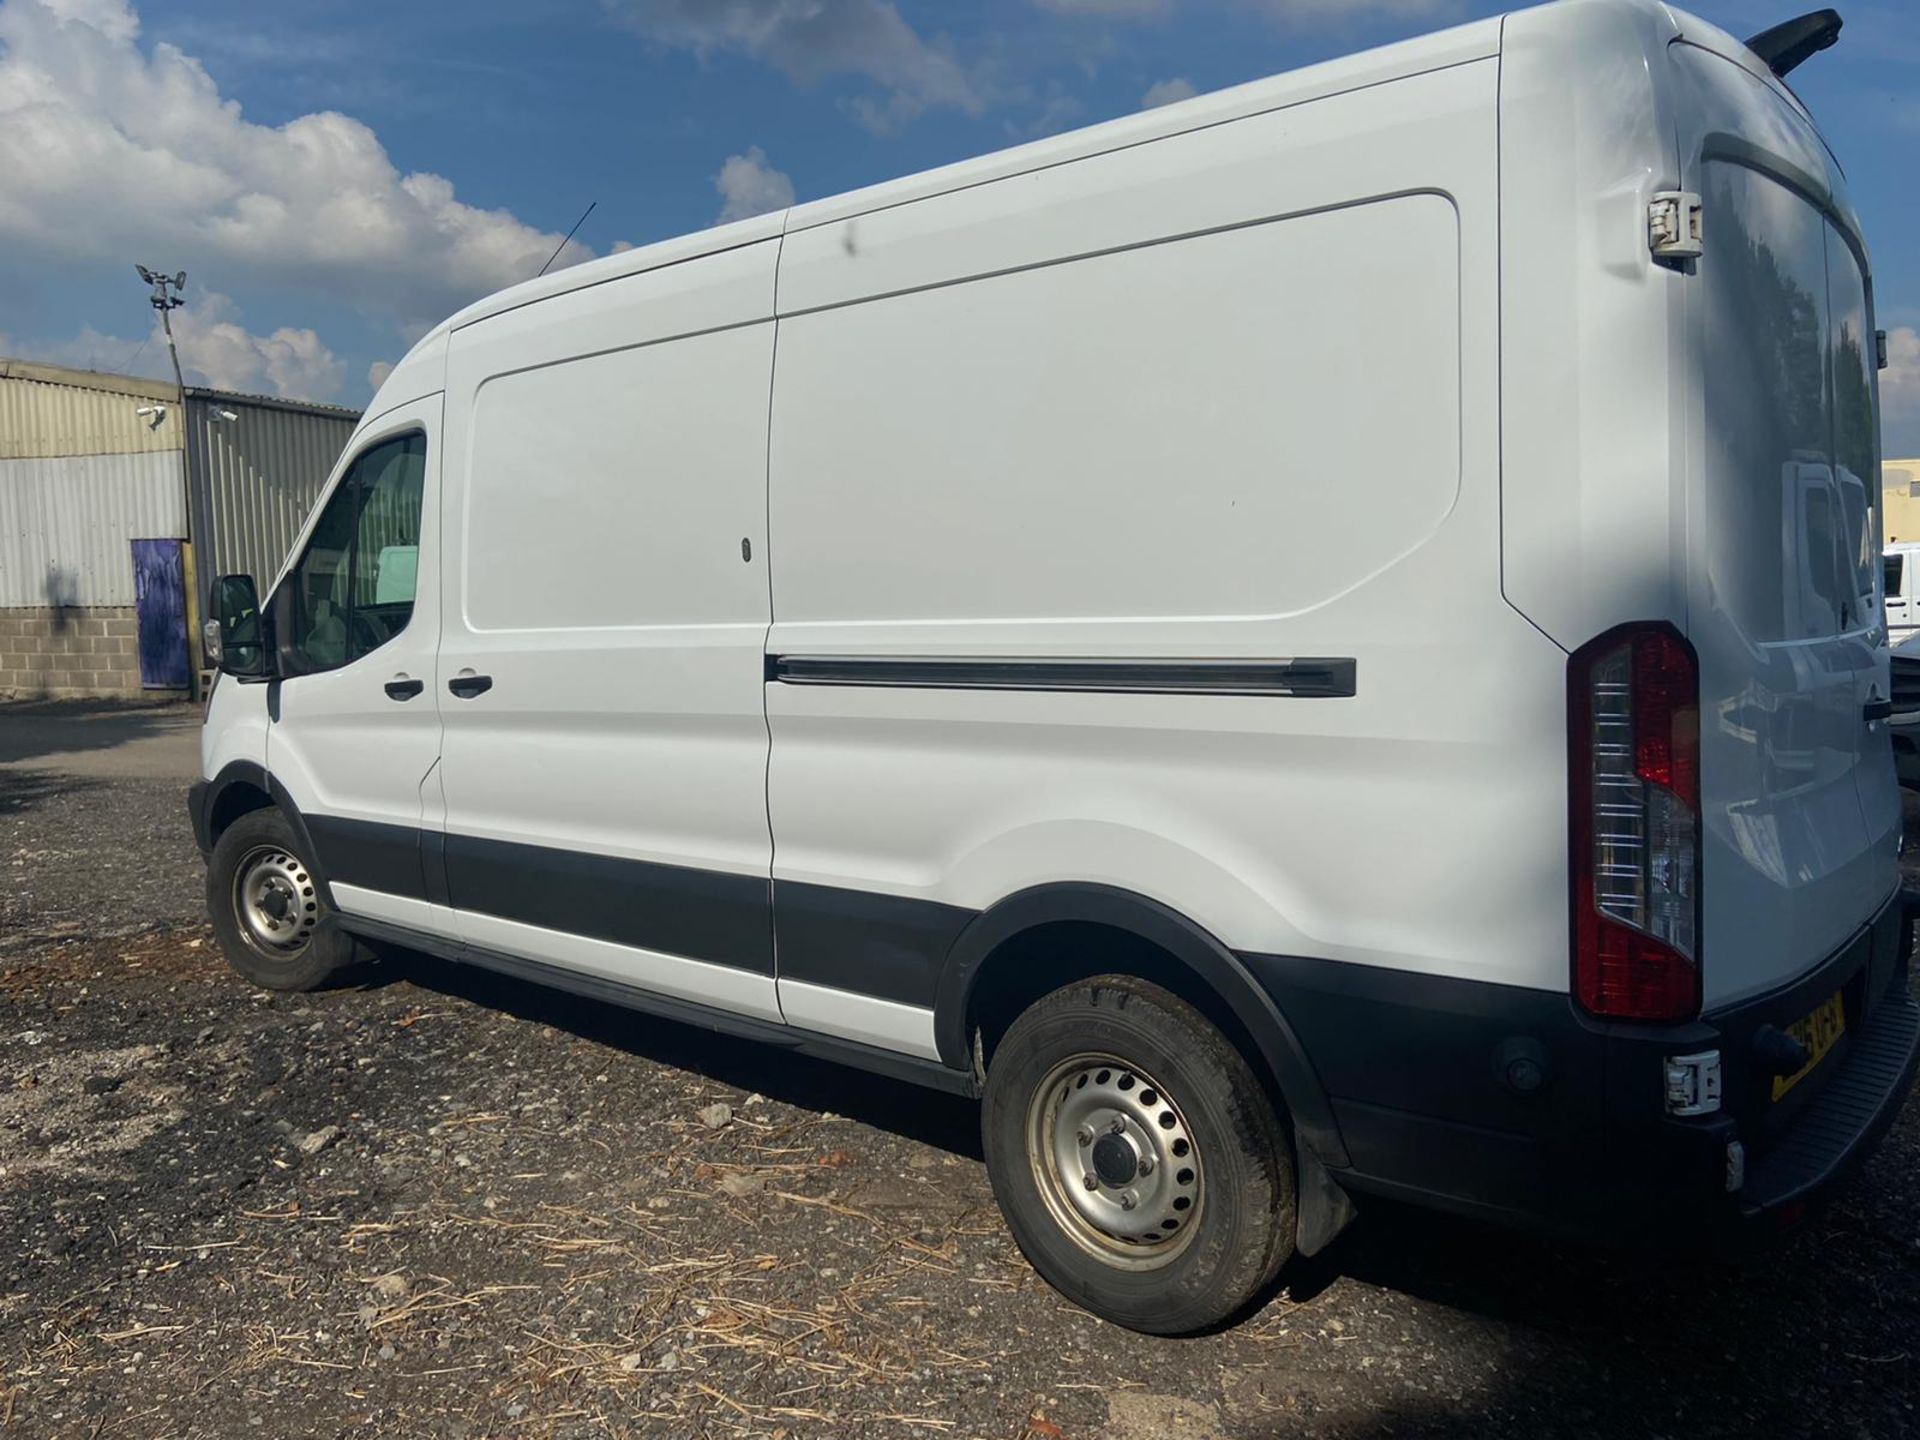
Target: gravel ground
{"type": "Point", "coordinates": [435, 1202]}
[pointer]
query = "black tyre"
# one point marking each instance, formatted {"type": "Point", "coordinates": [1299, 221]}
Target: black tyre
{"type": "Point", "coordinates": [267, 908]}
{"type": "Point", "coordinates": [1138, 1161]}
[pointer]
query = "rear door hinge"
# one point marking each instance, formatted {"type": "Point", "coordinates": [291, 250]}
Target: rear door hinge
{"type": "Point", "coordinates": [1673, 225]}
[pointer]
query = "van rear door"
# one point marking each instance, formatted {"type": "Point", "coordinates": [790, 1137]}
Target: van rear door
{"type": "Point", "coordinates": [1796, 782]}
{"type": "Point", "coordinates": [1853, 382]}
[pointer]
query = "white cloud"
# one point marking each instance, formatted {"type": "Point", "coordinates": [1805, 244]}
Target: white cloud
{"type": "Point", "coordinates": [378, 372]}
{"type": "Point", "coordinates": [812, 40]}
{"type": "Point", "coordinates": [215, 350]}
{"type": "Point", "coordinates": [112, 152]}
{"type": "Point", "coordinates": [748, 185]}
{"type": "Point", "coordinates": [1900, 394]}
{"type": "Point", "coordinates": [1167, 92]}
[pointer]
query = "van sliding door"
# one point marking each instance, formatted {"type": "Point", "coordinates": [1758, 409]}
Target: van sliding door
{"type": "Point", "coordinates": [601, 670]}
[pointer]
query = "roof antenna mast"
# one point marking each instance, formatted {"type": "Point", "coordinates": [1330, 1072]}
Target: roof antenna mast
{"type": "Point", "coordinates": [568, 236]}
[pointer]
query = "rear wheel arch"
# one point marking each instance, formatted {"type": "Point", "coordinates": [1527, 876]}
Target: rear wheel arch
{"type": "Point", "coordinates": [1036, 940]}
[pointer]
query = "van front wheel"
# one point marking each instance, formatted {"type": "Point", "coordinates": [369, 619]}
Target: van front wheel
{"type": "Point", "coordinates": [267, 909]}
{"type": "Point", "coordinates": [1136, 1158]}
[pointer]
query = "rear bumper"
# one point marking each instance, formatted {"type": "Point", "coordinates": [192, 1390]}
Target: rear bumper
{"type": "Point", "coordinates": [1845, 1119]}
{"type": "Point", "coordinates": [1512, 1106]}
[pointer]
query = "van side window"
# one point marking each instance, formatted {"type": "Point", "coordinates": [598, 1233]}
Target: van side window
{"type": "Point", "coordinates": [1890, 568]}
{"type": "Point", "coordinates": [353, 588]}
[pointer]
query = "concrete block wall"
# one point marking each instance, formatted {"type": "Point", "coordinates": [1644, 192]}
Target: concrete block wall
{"type": "Point", "coordinates": [69, 652]}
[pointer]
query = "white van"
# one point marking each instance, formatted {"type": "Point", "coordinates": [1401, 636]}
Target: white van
{"type": "Point", "coordinates": [1900, 581]}
{"type": "Point", "coordinates": [1304, 644]}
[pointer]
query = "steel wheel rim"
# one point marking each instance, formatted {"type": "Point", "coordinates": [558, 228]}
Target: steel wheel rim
{"type": "Point", "coordinates": [1115, 1161]}
{"type": "Point", "coordinates": [275, 901]}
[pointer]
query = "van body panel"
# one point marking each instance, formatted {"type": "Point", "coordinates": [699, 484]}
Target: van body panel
{"type": "Point", "coordinates": [1800, 805]}
{"type": "Point", "coordinates": [607, 573]}
{"type": "Point", "coordinates": [1216, 484]}
{"type": "Point", "coordinates": [1590, 428]}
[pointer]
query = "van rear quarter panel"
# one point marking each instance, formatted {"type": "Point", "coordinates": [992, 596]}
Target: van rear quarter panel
{"type": "Point", "coordinates": [1226, 394]}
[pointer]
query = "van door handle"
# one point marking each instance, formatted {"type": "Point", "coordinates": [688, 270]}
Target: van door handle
{"type": "Point", "coordinates": [468, 686]}
{"type": "Point", "coordinates": [1876, 710]}
{"type": "Point", "coordinates": [404, 689]}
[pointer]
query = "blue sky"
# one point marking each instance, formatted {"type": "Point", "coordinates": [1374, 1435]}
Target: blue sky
{"type": "Point", "coordinates": [122, 128]}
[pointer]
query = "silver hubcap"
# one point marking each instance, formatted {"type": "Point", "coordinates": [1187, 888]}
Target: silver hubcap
{"type": "Point", "coordinates": [274, 898]}
{"type": "Point", "coordinates": [1114, 1160]}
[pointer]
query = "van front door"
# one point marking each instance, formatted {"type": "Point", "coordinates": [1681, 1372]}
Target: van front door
{"type": "Point", "coordinates": [354, 724]}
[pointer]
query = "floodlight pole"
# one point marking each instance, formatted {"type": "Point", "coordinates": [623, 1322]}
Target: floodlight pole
{"type": "Point", "coordinates": [166, 299]}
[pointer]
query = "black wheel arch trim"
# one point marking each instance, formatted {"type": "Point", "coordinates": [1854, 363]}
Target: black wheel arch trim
{"type": "Point", "coordinates": [1159, 925]}
{"type": "Point", "coordinates": [255, 775]}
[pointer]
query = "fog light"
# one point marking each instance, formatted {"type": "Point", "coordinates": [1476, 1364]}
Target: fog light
{"type": "Point", "coordinates": [1693, 1083]}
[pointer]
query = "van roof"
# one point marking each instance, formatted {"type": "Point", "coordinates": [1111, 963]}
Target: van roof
{"type": "Point", "coordinates": [1476, 40]}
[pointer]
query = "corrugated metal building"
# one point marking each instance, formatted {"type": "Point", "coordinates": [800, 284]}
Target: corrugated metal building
{"type": "Point", "coordinates": [96, 572]}
{"type": "Point", "coordinates": [256, 475]}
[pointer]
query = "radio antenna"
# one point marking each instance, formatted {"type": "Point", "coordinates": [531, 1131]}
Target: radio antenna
{"type": "Point", "coordinates": [569, 235]}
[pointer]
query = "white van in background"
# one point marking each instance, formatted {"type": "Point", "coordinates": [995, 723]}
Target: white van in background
{"type": "Point", "coordinates": [1303, 644]}
{"type": "Point", "coordinates": [1900, 572]}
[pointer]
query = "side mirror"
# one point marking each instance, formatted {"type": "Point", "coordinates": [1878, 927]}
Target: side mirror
{"type": "Point", "coordinates": [235, 638]}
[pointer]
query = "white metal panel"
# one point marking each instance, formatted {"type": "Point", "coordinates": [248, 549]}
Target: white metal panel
{"type": "Point", "coordinates": [870, 1021]}
{"type": "Point", "coordinates": [627, 724]}
{"type": "Point", "coordinates": [633, 475]}
{"type": "Point", "coordinates": [1419, 825]}
{"type": "Point", "coordinates": [721, 986]}
{"type": "Point", "coordinates": [1592, 429]}
{"type": "Point", "coordinates": [65, 523]}
{"type": "Point", "coordinates": [1244, 423]}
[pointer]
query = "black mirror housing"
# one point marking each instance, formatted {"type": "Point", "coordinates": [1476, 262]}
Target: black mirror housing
{"type": "Point", "coordinates": [236, 636]}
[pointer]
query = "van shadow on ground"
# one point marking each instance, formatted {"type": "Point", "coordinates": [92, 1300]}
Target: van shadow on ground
{"type": "Point", "coordinates": [946, 1122]}
{"type": "Point", "coordinates": [1819, 1328]}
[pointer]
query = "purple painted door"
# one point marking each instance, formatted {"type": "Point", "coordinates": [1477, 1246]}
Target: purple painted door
{"type": "Point", "coordinates": [160, 605]}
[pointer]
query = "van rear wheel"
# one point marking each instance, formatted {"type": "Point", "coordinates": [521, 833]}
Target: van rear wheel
{"type": "Point", "coordinates": [1136, 1158]}
{"type": "Point", "coordinates": [267, 907]}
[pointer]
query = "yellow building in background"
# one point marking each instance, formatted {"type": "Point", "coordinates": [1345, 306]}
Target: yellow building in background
{"type": "Point", "coordinates": [1900, 491]}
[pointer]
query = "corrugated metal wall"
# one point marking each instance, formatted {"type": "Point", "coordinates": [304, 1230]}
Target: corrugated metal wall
{"type": "Point", "coordinates": [255, 477]}
{"type": "Point", "coordinates": [43, 415]}
{"type": "Point", "coordinates": [65, 522]}
{"type": "Point", "coordinates": [81, 474]}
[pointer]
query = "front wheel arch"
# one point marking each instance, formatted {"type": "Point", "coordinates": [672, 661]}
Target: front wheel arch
{"type": "Point", "coordinates": [243, 786]}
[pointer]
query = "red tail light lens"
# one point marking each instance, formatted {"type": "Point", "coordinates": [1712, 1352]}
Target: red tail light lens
{"type": "Point", "coordinates": [1634, 773]}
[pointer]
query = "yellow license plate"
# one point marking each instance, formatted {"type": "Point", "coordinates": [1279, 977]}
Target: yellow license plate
{"type": "Point", "coordinates": [1819, 1032]}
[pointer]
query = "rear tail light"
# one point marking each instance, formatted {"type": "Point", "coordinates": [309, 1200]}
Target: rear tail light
{"type": "Point", "coordinates": [1634, 772]}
